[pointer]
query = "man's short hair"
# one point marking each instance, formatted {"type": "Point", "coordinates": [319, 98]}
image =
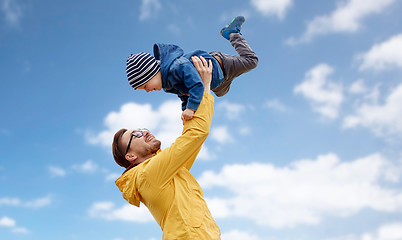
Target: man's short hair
{"type": "Point", "coordinates": [118, 155]}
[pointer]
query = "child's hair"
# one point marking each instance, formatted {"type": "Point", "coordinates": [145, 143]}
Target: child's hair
{"type": "Point", "coordinates": [141, 67]}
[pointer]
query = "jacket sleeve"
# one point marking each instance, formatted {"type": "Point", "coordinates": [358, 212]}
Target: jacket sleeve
{"type": "Point", "coordinates": [182, 153]}
{"type": "Point", "coordinates": [183, 99]}
{"type": "Point", "coordinates": [192, 81]}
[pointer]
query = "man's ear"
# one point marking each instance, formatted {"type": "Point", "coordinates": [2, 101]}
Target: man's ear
{"type": "Point", "coordinates": [130, 157]}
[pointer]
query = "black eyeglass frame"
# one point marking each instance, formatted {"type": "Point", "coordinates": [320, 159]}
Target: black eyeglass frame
{"type": "Point", "coordinates": [138, 134]}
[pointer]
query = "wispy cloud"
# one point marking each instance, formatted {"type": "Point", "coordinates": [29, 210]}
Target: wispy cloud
{"type": "Point", "coordinates": [325, 95]}
{"type": "Point", "coordinates": [36, 203]}
{"type": "Point", "coordinates": [305, 191]}
{"type": "Point", "coordinates": [87, 167]}
{"type": "Point", "coordinates": [149, 9]}
{"type": "Point", "coordinates": [358, 87]}
{"type": "Point", "coordinates": [383, 56]}
{"type": "Point", "coordinates": [275, 104]}
{"type": "Point", "coordinates": [232, 110]}
{"type": "Point", "coordinates": [11, 223]}
{"type": "Point", "coordinates": [130, 213]}
{"type": "Point", "coordinates": [391, 231]}
{"type": "Point", "coordinates": [12, 11]}
{"type": "Point", "coordinates": [276, 8]}
{"type": "Point", "coordinates": [347, 18]}
{"type": "Point", "coordinates": [56, 171]}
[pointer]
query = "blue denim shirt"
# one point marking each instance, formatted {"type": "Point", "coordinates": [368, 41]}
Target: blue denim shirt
{"type": "Point", "coordinates": [179, 75]}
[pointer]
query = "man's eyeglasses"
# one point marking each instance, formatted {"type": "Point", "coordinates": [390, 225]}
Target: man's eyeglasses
{"type": "Point", "coordinates": [137, 133]}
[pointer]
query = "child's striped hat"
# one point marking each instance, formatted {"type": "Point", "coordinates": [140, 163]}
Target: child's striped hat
{"type": "Point", "coordinates": [141, 67]}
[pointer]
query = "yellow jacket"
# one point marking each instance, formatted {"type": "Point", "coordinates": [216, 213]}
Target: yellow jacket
{"type": "Point", "coordinates": [164, 184]}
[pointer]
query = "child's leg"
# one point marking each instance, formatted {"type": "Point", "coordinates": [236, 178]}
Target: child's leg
{"type": "Point", "coordinates": [233, 66]}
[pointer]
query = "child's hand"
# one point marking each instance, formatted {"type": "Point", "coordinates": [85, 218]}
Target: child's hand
{"type": "Point", "coordinates": [187, 114]}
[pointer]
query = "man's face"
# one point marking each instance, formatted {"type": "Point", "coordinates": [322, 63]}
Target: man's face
{"type": "Point", "coordinates": [141, 144]}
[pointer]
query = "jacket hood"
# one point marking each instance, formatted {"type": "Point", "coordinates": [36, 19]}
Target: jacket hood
{"type": "Point", "coordinates": [126, 184]}
{"type": "Point", "coordinates": [167, 54]}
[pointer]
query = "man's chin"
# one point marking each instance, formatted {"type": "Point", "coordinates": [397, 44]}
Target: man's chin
{"type": "Point", "coordinates": [156, 146]}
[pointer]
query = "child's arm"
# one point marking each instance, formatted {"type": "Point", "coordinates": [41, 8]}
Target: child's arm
{"type": "Point", "coordinates": [193, 83]}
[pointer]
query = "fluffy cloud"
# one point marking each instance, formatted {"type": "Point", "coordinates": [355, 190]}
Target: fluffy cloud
{"type": "Point", "coordinates": [7, 222]}
{"type": "Point", "coordinates": [392, 231]}
{"type": "Point", "coordinates": [163, 122]}
{"type": "Point", "coordinates": [383, 119]}
{"type": "Point", "coordinates": [149, 8]}
{"type": "Point", "coordinates": [346, 18]}
{"type": "Point", "coordinates": [108, 211]}
{"type": "Point", "coordinates": [221, 134]}
{"type": "Point", "coordinates": [305, 191]}
{"type": "Point", "coordinates": [272, 7]}
{"type": "Point", "coordinates": [382, 56]}
{"type": "Point", "coordinates": [325, 95]}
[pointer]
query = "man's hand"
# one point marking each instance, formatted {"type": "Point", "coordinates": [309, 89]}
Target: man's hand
{"type": "Point", "coordinates": [187, 114]}
{"type": "Point", "coordinates": [204, 68]}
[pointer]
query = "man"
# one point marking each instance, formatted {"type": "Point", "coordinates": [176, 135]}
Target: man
{"type": "Point", "coordinates": [161, 179]}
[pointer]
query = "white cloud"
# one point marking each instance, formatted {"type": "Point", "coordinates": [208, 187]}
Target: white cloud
{"type": "Point", "coordinates": [163, 122]}
{"type": "Point", "coordinates": [358, 87]}
{"type": "Point", "coordinates": [205, 154]}
{"type": "Point", "coordinates": [130, 213]}
{"type": "Point", "coordinates": [39, 202]}
{"type": "Point", "coordinates": [232, 110]}
{"type": "Point", "coordinates": [12, 11]}
{"type": "Point", "coordinates": [10, 201]}
{"type": "Point", "coordinates": [382, 56]}
{"type": "Point", "coordinates": [7, 222]}
{"type": "Point", "coordinates": [56, 171]}
{"type": "Point", "coordinates": [87, 167]}
{"type": "Point", "coordinates": [239, 235]}
{"type": "Point", "coordinates": [149, 9]}
{"type": "Point", "coordinates": [112, 177]}
{"type": "Point", "coordinates": [383, 120]}
{"type": "Point", "coordinates": [20, 230]}
{"type": "Point", "coordinates": [221, 134]}
{"type": "Point", "coordinates": [36, 203]}
{"type": "Point", "coordinates": [305, 191]}
{"type": "Point", "coordinates": [392, 231]}
{"type": "Point", "coordinates": [272, 7]}
{"type": "Point", "coordinates": [347, 17]}
{"type": "Point", "coordinates": [277, 105]}
{"type": "Point", "coordinates": [326, 96]}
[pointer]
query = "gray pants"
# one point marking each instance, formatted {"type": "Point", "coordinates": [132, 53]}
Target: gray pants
{"type": "Point", "coordinates": [233, 66]}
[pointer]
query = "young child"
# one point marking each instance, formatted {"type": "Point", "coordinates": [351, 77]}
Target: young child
{"type": "Point", "coordinates": [171, 69]}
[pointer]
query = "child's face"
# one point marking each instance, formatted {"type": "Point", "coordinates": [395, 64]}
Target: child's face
{"type": "Point", "coordinates": [155, 84]}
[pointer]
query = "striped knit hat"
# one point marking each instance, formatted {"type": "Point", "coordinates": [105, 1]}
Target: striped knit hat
{"type": "Point", "coordinates": [141, 67]}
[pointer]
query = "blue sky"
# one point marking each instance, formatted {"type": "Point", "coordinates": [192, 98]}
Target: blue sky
{"type": "Point", "coordinates": [307, 146]}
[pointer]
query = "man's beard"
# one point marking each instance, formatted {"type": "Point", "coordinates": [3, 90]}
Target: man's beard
{"type": "Point", "coordinates": [154, 147]}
